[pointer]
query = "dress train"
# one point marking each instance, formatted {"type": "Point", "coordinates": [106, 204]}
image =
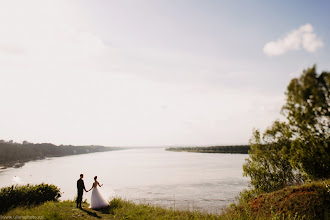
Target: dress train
{"type": "Point", "coordinates": [97, 201]}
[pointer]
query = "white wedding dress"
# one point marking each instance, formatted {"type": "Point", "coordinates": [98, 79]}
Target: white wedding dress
{"type": "Point", "coordinates": [97, 201]}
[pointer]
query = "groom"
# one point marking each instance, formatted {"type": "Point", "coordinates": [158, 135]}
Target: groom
{"type": "Point", "coordinates": [81, 188]}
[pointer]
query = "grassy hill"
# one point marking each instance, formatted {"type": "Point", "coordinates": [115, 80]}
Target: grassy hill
{"type": "Point", "coordinates": [310, 201]}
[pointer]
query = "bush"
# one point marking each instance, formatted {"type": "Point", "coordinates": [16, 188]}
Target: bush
{"type": "Point", "coordinates": [115, 203]}
{"type": "Point", "coordinates": [15, 195]}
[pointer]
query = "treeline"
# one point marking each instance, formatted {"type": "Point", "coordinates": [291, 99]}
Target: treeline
{"type": "Point", "coordinates": [15, 154]}
{"type": "Point", "coordinates": [231, 149]}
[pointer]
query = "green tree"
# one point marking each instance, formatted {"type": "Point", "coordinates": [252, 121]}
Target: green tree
{"type": "Point", "coordinates": [268, 164]}
{"type": "Point", "coordinates": [288, 152]}
{"type": "Point", "coordinates": [308, 103]}
{"type": "Point", "coordinates": [308, 111]}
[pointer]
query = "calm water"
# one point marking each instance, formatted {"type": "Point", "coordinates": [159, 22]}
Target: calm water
{"type": "Point", "coordinates": [170, 179]}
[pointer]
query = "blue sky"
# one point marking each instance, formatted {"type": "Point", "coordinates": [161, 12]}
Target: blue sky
{"type": "Point", "coordinates": [224, 30]}
{"type": "Point", "coordinates": [153, 73]}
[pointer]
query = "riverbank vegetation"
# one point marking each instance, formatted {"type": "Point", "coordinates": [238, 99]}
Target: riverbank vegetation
{"type": "Point", "coordinates": [15, 154]}
{"type": "Point", "coordinates": [232, 149]}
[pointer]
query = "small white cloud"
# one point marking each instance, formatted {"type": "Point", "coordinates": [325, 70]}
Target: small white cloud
{"type": "Point", "coordinates": [304, 37]}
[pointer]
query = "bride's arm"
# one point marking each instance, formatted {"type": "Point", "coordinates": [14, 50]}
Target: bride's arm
{"type": "Point", "coordinates": [91, 188]}
{"type": "Point", "coordinates": [99, 184]}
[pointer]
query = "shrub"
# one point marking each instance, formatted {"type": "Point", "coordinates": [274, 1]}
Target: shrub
{"type": "Point", "coordinates": [115, 203]}
{"type": "Point", "coordinates": [26, 195]}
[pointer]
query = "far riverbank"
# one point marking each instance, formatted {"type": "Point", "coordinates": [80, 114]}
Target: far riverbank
{"type": "Point", "coordinates": [16, 154]}
{"type": "Point", "coordinates": [232, 149]}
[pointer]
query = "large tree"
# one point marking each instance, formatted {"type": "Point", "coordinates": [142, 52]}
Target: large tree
{"type": "Point", "coordinates": [308, 103]}
{"type": "Point", "coordinates": [308, 111]}
{"type": "Point", "coordinates": [290, 151]}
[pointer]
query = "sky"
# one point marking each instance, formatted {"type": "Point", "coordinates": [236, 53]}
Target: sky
{"type": "Point", "coordinates": [153, 73]}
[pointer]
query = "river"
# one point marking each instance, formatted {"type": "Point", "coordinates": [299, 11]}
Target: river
{"type": "Point", "coordinates": [181, 180]}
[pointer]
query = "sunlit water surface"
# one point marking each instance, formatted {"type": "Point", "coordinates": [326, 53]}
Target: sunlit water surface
{"type": "Point", "coordinates": [181, 180]}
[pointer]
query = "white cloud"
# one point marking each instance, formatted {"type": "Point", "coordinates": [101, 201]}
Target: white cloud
{"type": "Point", "coordinates": [304, 37]}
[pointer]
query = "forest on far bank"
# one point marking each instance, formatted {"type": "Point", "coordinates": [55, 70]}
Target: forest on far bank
{"type": "Point", "coordinates": [12, 153]}
{"type": "Point", "coordinates": [231, 149]}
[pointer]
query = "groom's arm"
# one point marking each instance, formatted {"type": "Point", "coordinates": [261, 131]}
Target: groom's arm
{"type": "Point", "coordinates": [84, 186]}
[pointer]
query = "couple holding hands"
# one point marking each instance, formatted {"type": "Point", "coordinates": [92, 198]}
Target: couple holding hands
{"type": "Point", "coordinates": [97, 201]}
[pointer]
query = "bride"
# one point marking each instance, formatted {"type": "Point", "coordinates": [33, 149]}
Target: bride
{"type": "Point", "coordinates": [97, 201]}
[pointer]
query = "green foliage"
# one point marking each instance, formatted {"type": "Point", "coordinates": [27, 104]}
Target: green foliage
{"type": "Point", "coordinates": [268, 164]}
{"type": "Point", "coordinates": [308, 112]}
{"type": "Point", "coordinates": [14, 196]}
{"type": "Point", "coordinates": [115, 203]}
{"type": "Point", "coordinates": [291, 152]}
{"type": "Point", "coordinates": [311, 156]}
{"type": "Point", "coordinates": [308, 102]}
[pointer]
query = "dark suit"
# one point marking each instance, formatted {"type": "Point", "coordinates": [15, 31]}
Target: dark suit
{"type": "Point", "coordinates": [81, 188]}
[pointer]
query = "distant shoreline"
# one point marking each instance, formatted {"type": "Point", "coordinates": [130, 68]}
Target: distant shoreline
{"type": "Point", "coordinates": [232, 149]}
{"type": "Point", "coordinates": [16, 155]}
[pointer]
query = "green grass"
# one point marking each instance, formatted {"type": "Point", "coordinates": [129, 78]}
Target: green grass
{"type": "Point", "coordinates": [309, 201]}
{"type": "Point", "coordinates": [118, 209]}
